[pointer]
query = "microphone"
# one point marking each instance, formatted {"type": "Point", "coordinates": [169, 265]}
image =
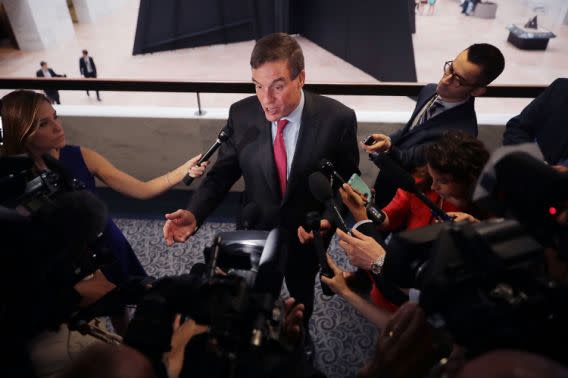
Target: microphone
{"type": "Point", "coordinates": [224, 134]}
{"type": "Point", "coordinates": [320, 188]}
{"type": "Point", "coordinates": [327, 167]}
{"type": "Point", "coordinates": [375, 215]}
{"type": "Point", "coordinates": [405, 182]}
{"type": "Point", "coordinates": [312, 223]}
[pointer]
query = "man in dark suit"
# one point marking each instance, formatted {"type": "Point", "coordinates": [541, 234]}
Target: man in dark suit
{"type": "Point", "coordinates": [45, 71]}
{"type": "Point", "coordinates": [279, 137]}
{"type": "Point", "coordinates": [445, 106]}
{"type": "Point", "coordinates": [544, 121]}
{"type": "Point", "coordinates": [88, 68]}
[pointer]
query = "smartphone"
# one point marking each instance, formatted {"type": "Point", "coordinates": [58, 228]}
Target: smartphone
{"type": "Point", "coordinates": [358, 184]}
{"type": "Point", "coordinates": [368, 140]}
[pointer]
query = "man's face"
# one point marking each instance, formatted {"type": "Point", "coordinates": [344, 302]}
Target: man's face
{"type": "Point", "coordinates": [460, 79]}
{"type": "Point", "coordinates": [44, 66]}
{"type": "Point", "coordinates": [279, 94]}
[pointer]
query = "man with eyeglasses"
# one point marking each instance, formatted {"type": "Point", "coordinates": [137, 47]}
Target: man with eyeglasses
{"type": "Point", "coordinates": [449, 105]}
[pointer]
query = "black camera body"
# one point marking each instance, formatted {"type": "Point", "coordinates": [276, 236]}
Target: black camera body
{"type": "Point", "coordinates": [241, 307]}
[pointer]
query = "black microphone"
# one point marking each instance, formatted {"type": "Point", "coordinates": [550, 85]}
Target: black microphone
{"type": "Point", "coordinates": [327, 167]}
{"type": "Point", "coordinates": [224, 134]}
{"type": "Point", "coordinates": [320, 188]}
{"type": "Point", "coordinates": [405, 182]}
{"type": "Point", "coordinates": [375, 215]}
{"type": "Point", "coordinates": [312, 223]}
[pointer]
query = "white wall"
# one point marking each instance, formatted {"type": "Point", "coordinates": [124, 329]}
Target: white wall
{"type": "Point", "coordinates": [38, 24]}
{"type": "Point", "coordinates": [90, 10]}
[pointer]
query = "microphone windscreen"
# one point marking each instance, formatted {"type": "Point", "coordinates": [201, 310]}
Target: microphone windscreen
{"type": "Point", "coordinates": [403, 179]}
{"type": "Point", "coordinates": [319, 186]}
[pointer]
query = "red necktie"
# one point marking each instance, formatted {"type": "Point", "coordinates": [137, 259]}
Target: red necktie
{"type": "Point", "coordinates": [280, 154]}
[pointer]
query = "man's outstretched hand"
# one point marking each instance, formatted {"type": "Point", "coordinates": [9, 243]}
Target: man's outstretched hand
{"type": "Point", "coordinates": [180, 225]}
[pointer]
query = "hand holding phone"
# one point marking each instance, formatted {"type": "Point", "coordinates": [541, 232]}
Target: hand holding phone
{"type": "Point", "coordinates": [359, 185]}
{"type": "Point", "coordinates": [368, 140]}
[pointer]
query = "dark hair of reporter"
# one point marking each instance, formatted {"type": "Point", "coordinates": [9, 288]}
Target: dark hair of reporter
{"type": "Point", "coordinates": [489, 58]}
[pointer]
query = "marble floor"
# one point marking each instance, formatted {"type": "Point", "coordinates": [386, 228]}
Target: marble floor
{"type": "Point", "coordinates": [439, 37]}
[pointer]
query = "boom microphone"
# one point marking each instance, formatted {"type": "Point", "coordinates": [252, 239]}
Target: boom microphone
{"type": "Point", "coordinates": [224, 134]}
{"type": "Point", "coordinates": [320, 188]}
{"type": "Point", "coordinates": [405, 182]}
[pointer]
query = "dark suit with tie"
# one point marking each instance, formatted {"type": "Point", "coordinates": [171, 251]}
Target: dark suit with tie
{"type": "Point", "coordinates": [409, 145]}
{"type": "Point", "coordinates": [53, 94]}
{"type": "Point", "coordinates": [85, 72]}
{"type": "Point", "coordinates": [328, 130]}
{"type": "Point", "coordinates": [544, 121]}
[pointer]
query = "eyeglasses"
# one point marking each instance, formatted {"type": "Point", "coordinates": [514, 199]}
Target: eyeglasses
{"type": "Point", "coordinates": [449, 71]}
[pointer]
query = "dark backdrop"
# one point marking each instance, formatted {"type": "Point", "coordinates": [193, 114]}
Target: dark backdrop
{"type": "Point", "coordinates": [373, 35]}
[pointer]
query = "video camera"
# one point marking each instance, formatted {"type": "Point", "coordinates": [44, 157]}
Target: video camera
{"type": "Point", "coordinates": [487, 283]}
{"type": "Point", "coordinates": [240, 305]}
{"type": "Point", "coordinates": [26, 190]}
{"type": "Point", "coordinates": [51, 237]}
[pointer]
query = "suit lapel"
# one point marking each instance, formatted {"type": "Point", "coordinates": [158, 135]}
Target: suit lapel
{"type": "Point", "coordinates": [304, 145]}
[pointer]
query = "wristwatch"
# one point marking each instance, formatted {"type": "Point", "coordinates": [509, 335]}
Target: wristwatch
{"type": "Point", "coordinates": [377, 265]}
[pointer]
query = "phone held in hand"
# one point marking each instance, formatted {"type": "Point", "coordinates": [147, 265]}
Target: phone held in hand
{"type": "Point", "coordinates": [368, 140]}
{"type": "Point", "coordinates": [359, 185]}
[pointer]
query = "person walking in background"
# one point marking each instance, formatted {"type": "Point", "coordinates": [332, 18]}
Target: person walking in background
{"type": "Point", "coordinates": [45, 71]}
{"type": "Point", "coordinates": [88, 69]}
{"type": "Point", "coordinates": [431, 7]}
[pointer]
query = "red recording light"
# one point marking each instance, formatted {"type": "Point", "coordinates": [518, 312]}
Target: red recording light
{"type": "Point", "coordinates": [552, 210]}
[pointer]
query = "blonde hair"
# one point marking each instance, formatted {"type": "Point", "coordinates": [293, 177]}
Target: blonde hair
{"type": "Point", "coordinates": [19, 120]}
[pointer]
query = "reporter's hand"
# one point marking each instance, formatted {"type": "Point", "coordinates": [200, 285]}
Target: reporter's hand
{"type": "Point", "coordinates": [93, 288]}
{"type": "Point", "coordinates": [361, 250]}
{"type": "Point", "coordinates": [338, 283]}
{"type": "Point", "coordinates": [382, 144]}
{"type": "Point", "coordinates": [354, 201]}
{"type": "Point", "coordinates": [293, 321]}
{"type": "Point", "coordinates": [461, 217]}
{"type": "Point", "coordinates": [307, 237]}
{"type": "Point", "coordinates": [193, 169]}
{"type": "Point", "coordinates": [179, 226]}
{"type": "Point", "coordinates": [181, 335]}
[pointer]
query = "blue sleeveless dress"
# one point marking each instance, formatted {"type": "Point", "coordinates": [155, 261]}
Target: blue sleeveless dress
{"type": "Point", "coordinates": [126, 264]}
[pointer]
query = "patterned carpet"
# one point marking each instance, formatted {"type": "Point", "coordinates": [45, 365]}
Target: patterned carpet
{"type": "Point", "coordinates": [343, 339]}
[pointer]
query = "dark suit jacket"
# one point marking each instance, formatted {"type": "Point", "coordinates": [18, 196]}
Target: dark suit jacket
{"type": "Point", "coordinates": [544, 120]}
{"type": "Point", "coordinates": [328, 130]}
{"type": "Point", "coordinates": [409, 146]}
{"type": "Point", "coordinates": [39, 73]}
{"type": "Point", "coordinates": [83, 67]}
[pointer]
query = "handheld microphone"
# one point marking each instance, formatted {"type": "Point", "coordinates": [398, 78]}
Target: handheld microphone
{"type": "Point", "coordinates": [406, 183]}
{"type": "Point", "coordinates": [375, 215]}
{"type": "Point", "coordinates": [327, 167]}
{"type": "Point", "coordinates": [224, 134]}
{"type": "Point", "coordinates": [312, 223]}
{"type": "Point", "coordinates": [320, 188]}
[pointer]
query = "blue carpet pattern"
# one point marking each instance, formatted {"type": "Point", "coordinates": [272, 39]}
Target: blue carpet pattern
{"type": "Point", "coordinates": [343, 339]}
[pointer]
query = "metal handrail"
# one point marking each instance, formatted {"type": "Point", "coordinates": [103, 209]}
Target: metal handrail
{"type": "Point", "coordinates": [378, 89]}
